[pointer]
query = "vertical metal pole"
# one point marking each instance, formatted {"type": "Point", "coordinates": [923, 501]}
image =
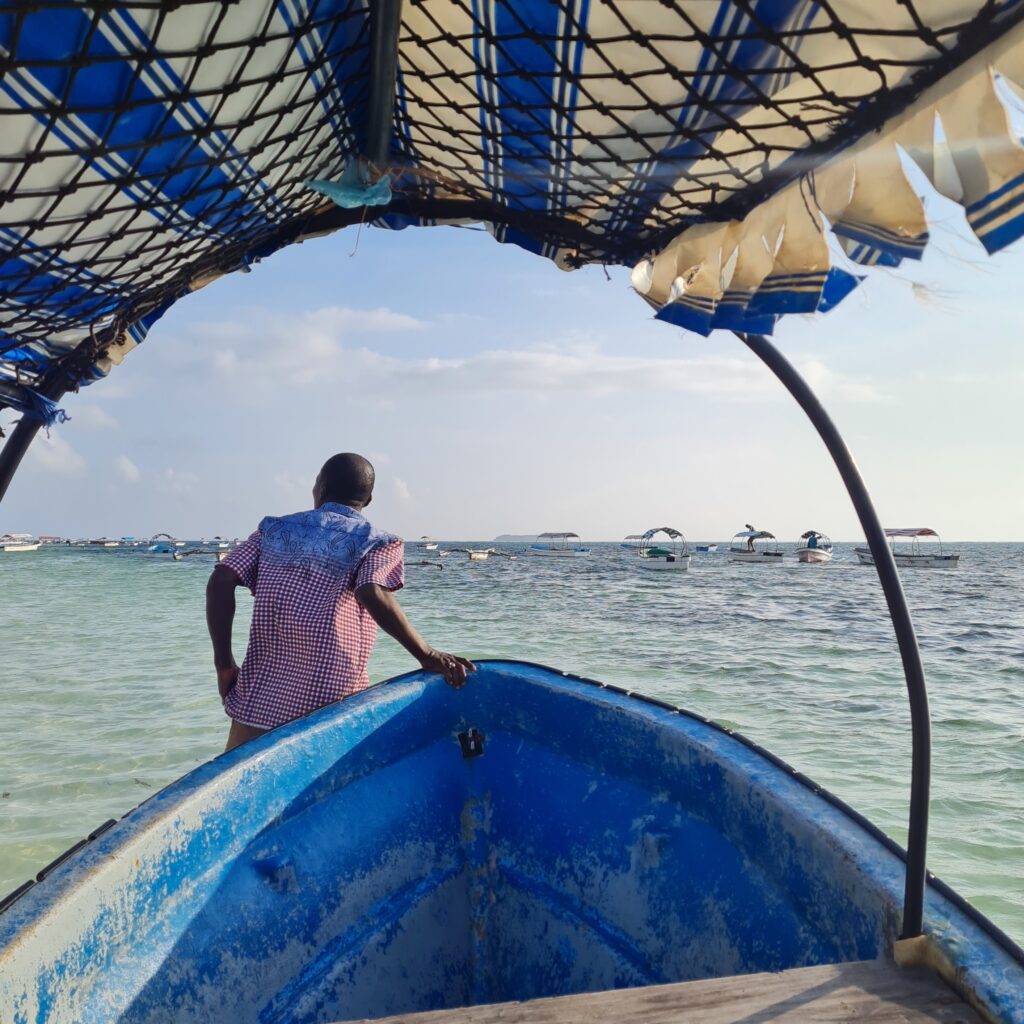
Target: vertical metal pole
{"type": "Point", "coordinates": [17, 444]}
{"type": "Point", "coordinates": [920, 772]}
{"type": "Point", "coordinates": [385, 23]}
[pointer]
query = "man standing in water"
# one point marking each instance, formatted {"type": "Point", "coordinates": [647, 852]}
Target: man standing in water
{"type": "Point", "coordinates": [323, 580]}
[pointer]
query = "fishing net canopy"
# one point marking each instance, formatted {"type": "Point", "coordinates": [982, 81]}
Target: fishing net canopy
{"type": "Point", "coordinates": [742, 156]}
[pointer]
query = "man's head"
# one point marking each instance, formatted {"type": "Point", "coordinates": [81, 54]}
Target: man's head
{"type": "Point", "coordinates": [346, 479]}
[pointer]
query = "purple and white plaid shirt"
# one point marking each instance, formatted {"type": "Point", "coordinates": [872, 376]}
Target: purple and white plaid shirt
{"type": "Point", "coordinates": [310, 639]}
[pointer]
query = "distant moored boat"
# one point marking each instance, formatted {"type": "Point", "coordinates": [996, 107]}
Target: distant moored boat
{"type": "Point", "coordinates": [753, 545]}
{"type": "Point", "coordinates": [559, 545]}
{"type": "Point", "coordinates": [814, 547]}
{"type": "Point", "coordinates": [668, 554]}
{"type": "Point", "coordinates": [18, 542]}
{"type": "Point", "coordinates": [915, 557]}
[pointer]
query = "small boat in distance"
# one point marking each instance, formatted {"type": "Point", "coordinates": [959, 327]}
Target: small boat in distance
{"type": "Point", "coordinates": [631, 541]}
{"type": "Point", "coordinates": [671, 554]}
{"type": "Point", "coordinates": [105, 542]}
{"type": "Point", "coordinates": [915, 557]}
{"type": "Point", "coordinates": [475, 554]}
{"type": "Point", "coordinates": [745, 548]}
{"type": "Point", "coordinates": [559, 545]}
{"type": "Point", "coordinates": [427, 544]}
{"type": "Point", "coordinates": [18, 542]}
{"type": "Point", "coordinates": [705, 549]}
{"type": "Point", "coordinates": [815, 547]}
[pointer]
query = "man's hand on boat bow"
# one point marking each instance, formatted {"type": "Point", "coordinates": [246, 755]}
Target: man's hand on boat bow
{"type": "Point", "coordinates": [451, 666]}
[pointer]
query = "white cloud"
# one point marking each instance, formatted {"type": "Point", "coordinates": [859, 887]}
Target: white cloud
{"type": "Point", "coordinates": [590, 371]}
{"type": "Point", "coordinates": [341, 319]}
{"type": "Point", "coordinates": [274, 350]}
{"type": "Point", "coordinates": [401, 489]}
{"type": "Point", "coordinates": [92, 417]}
{"type": "Point", "coordinates": [293, 486]}
{"type": "Point", "coordinates": [827, 384]}
{"type": "Point", "coordinates": [54, 455]}
{"type": "Point", "coordinates": [318, 350]}
{"type": "Point", "coordinates": [178, 482]}
{"type": "Point", "coordinates": [126, 469]}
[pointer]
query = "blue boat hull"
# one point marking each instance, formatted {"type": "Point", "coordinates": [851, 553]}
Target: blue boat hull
{"type": "Point", "coordinates": [368, 860]}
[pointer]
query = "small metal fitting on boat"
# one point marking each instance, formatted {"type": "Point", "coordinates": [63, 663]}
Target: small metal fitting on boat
{"type": "Point", "coordinates": [472, 743]}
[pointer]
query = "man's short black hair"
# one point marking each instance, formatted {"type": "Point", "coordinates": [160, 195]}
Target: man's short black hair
{"type": "Point", "coordinates": [347, 478]}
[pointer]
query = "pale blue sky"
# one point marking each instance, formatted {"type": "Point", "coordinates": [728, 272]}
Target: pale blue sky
{"type": "Point", "coordinates": [498, 394]}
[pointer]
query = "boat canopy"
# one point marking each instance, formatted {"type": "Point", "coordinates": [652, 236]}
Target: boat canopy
{"type": "Point", "coordinates": [557, 536]}
{"type": "Point", "coordinates": [911, 531]}
{"type": "Point", "coordinates": [745, 158]}
{"type": "Point", "coordinates": [667, 530]}
{"type": "Point", "coordinates": [807, 534]}
{"type": "Point", "coordinates": [755, 535]}
{"type": "Point", "coordinates": [648, 548]}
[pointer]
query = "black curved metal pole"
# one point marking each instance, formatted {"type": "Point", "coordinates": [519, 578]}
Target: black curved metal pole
{"type": "Point", "coordinates": [15, 447]}
{"type": "Point", "coordinates": [920, 772]}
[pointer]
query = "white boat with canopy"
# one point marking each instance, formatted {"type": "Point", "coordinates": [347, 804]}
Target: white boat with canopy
{"type": "Point", "coordinates": [814, 546]}
{"type": "Point", "coordinates": [13, 542]}
{"type": "Point", "coordinates": [670, 553]}
{"type": "Point", "coordinates": [559, 545]}
{"type": "Point", "coordinates": [757, 546]}
{"type": "Point", "coordinates": [478, 554]}
{"type": "Point", "coordinates": [747, 160]}
{"type": "Point", "coordinates": [427, 543]}
{"type": "Point", "coordinates": [917, 557]}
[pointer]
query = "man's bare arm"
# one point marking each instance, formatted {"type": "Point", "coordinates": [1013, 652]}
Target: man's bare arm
{"type": "Point", "coordinates": [383, 606]}
{"type": "Point", "coordinates": [220, 616]}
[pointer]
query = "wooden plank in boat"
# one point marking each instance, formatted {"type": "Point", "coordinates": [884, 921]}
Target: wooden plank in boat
{"type": "Point", "coordinates": [877, 991]}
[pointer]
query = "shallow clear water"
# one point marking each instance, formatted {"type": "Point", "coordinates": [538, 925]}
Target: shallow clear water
{"type": "Point", "coordinates": [109, 694]}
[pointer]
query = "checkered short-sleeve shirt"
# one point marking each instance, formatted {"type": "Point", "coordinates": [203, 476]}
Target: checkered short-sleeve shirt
{"type": "Point", "coordinates": [310, 639]}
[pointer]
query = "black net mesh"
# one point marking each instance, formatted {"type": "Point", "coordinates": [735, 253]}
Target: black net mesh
{"type": "Point", "coordinates": [147, 147]}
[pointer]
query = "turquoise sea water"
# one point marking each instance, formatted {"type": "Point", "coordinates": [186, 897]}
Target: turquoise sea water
{"type": "Point", "coordinates": [109, 694]}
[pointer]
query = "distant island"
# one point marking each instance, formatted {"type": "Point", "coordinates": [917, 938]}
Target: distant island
{"type": "Point", "coordinates": [515, 538]}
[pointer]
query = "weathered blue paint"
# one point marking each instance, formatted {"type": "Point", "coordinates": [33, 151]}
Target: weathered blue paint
{"type": "Point", "coordinates": [354, 864]}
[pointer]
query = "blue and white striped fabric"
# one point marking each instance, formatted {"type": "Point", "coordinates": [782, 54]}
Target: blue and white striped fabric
{"type": "Point", "coordinates": [746, 158]}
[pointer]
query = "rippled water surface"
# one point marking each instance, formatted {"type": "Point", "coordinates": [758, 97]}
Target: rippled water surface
{"type": "Point", "coordinates": [109, 694]}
